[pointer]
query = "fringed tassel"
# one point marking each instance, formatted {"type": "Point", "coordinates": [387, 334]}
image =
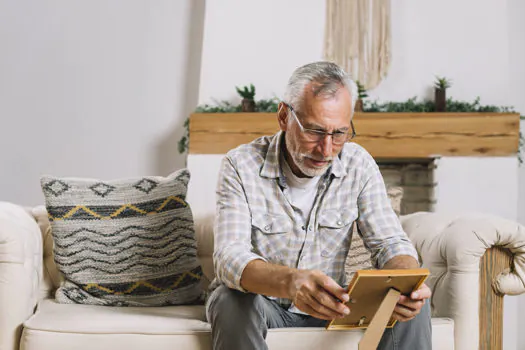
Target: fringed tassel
{"type": "Point", "coordinates": [357, 37]}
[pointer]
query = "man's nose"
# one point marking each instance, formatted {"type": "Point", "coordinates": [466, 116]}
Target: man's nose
{"type": "Point", "coordinates": [326, 146]}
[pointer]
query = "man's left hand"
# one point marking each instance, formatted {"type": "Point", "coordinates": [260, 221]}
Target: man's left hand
{"type": "Point", "coordinates": [408, 308]}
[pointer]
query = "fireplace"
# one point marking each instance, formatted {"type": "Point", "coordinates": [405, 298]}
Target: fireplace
{"type": "Point", "coordinates": [416, 178]}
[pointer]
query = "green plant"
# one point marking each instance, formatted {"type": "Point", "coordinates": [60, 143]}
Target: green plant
{"type": "Point", "coordinates": [414, 105]}
{"type": "Point", "coordinates": [219, 107]}
{"type": "Point", "coordinates": [246, 92]}
{"type": "Point", "coordinates": [442, 83]}
{"type": "Point", "coordinates": [185, 139]}
{"type": "Point", "coordinates": [361, 91]}
{"type": "Point", "coordinates": [267, 105]}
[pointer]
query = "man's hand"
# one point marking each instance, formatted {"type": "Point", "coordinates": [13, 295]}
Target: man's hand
{"type": "Point", "coordinates": [409, 307]}
{"type": "Point", "coordinates": [318, 295]}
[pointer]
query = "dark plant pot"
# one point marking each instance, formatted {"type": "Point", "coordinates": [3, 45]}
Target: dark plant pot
{"type": "Point", "coordinates": [248, 105]}
{"type": "Point", "coordinates": [440, 100]}
{"type": "Point", "coordinates": [358, 105]}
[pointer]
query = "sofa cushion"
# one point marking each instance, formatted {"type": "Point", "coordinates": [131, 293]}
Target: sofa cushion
{"type": "Point", "coordinates": [124, 242]}
{"type": "Point", "coordinates": [87, 327]}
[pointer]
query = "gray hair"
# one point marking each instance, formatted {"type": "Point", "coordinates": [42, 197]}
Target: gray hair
{"type": "Point", "coordinates": [329, 78]}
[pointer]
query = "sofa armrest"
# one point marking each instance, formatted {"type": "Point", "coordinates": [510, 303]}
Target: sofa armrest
{"type": "Point", "coordinates": [474, 259]}
{"type": "Point", "coordinates": [20, 271]}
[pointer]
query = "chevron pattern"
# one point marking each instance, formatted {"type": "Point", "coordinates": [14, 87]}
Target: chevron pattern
{"type": "Point", "coordinates": [109, 212]}
{"type": "Point", "coordinates": [124, 242]}
{"type": "Point", "coordinates": [147, 287]}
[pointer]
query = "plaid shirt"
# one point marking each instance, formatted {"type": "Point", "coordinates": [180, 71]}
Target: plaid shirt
{"type": "Point", "coordinates": [255, 219]}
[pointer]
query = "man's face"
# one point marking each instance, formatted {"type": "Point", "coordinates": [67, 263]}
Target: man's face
{"type": "Point", "coordinates": [333, 114]}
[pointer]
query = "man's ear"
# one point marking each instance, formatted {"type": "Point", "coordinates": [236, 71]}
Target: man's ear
{"type": "Point", "coordinates": [282, 116]}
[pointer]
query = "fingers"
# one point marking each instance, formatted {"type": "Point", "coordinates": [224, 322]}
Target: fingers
{"type": "Point", "coordinates": [321, 302]}
{"type": "Point", "coordinates": [311, 306]}
{"type": "Point", "coordinates": [409, 307]}
{"type": "Point", "coordinates": [402, 318]}
{"type": "Point", "coordinates": [335, 307]}
{"type": "Point", "coordinates": [320, 296]}
{"type": "Point", "coordinates": [312, 312]}
{"type": "Point", "coordinates": [331, 295]}
{"type": "Point", "coordinates": [410, 303]}
{"type": "Point", "coordinates": [332, 287]}
{"type": "Point", "coordinates": [406, 308]}
{"type": "Point", "coordinates": [422, 293]}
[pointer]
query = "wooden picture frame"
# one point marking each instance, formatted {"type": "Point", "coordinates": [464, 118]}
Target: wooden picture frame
{"type": "Point", "coordinates": [368, 290]}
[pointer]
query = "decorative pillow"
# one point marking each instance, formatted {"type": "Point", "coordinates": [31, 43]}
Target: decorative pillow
{"type": "Point", "coordinates": [359, 257]}
{"type": "Point", "coordinates": [124, 242]}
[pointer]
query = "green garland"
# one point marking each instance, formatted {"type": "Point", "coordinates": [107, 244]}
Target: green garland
{"type": "Point", "coordinates": [261, 106]}
{"type": "Point", "coordinates": [410, 105]}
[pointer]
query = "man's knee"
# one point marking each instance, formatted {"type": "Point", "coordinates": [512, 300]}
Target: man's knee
{"type": "Point", "coordinates": [227, 304]}
{"type": "Point", "coordinates": [237, 319]}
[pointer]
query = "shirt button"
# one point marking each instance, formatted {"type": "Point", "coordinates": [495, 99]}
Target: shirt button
{"type": "Point", "coordinates": [267, 228]}
{"type": "Point", "coordinates": [302, 227]}
{"type": "Point", "coordinates": [339, 222]}
{"type": "Point", "coordinates": [310, 228]}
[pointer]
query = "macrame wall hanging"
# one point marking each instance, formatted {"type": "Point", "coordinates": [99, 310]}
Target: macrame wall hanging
{"type": "Point", "coordinates": [357, 37]}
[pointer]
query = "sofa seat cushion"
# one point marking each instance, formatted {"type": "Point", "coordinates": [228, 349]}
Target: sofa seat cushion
{"type": "Point", "coordinates": [52, 316]}
{"type": "Point", "coordinates": [86, 327]}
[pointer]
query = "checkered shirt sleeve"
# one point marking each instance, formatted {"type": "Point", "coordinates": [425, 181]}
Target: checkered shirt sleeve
{"type": "Point", "coordinates": [379, 226]}
{"type": "Point", "coordinates": [232, 246]}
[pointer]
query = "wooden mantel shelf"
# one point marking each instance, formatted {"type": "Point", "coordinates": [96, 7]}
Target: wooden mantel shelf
{"type": "Point", "coordinates": [384, 135]}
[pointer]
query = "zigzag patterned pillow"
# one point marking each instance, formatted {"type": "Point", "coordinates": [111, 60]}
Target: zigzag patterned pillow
{"type": "Point", "coordinates": [124, 242]}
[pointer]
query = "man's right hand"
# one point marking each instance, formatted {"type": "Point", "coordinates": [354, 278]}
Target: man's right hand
{"type": "Point", "coordinates": [318, 295]}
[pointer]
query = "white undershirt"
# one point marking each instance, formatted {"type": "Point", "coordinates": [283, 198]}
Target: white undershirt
{"type": "Point", "coordinates": [302, 190]}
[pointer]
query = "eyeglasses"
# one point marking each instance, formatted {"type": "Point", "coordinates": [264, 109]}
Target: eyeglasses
{"type": "Point", "coordinates": [313, 135]}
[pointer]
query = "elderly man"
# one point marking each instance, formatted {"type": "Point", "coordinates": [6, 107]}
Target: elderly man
{"type": "Point", "coordinates": [285, 209]}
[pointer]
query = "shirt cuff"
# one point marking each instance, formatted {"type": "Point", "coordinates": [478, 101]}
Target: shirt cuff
{"type": "Point", "coordinates": [405, 248]}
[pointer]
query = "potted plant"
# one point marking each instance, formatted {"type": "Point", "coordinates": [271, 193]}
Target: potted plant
{"type": "Point", "coordinates": [361, 94]}
{"type": "Point", "coordinates": [247, 94]}
{"type": "Point", "coordinates": [440, 98]}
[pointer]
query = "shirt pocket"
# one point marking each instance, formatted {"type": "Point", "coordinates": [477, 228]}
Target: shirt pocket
{"type": "Point", "coordinates": [335, 230]}
{"type": "Point", "coordinates": [270, 235]}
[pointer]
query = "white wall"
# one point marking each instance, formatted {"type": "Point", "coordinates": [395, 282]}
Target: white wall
{"type": "Point", "coordinates": [471, 183]}
{"type": "Point", "coordinates": [468, 41]}
{"type": "Point", "coordinates": [257, 42]}
{"type": "Point", "coordinates": [94, 89]}
{"type": "Point", "coordinates": [516, 67]}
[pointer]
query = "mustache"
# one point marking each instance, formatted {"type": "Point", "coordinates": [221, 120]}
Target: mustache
{"type": "Point", "coordinates": [317, 159]}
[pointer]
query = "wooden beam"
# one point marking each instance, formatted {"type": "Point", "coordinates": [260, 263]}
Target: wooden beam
{"type": "Point", "coordinates": [384, 135]}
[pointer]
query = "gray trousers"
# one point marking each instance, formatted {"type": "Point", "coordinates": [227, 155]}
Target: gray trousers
{"type": "Point", "coordinates": [240, 321]}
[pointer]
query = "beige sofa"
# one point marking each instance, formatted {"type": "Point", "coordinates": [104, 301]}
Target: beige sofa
{"type": "Point", "coordinates": [469, 257]}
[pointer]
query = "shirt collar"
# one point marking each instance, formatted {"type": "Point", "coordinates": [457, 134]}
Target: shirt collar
{"type": "Point", "coordinates": [271, 168]}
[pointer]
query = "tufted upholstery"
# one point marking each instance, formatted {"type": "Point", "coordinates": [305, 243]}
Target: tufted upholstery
{"type": "Point", "coordinates": [451, 247]}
